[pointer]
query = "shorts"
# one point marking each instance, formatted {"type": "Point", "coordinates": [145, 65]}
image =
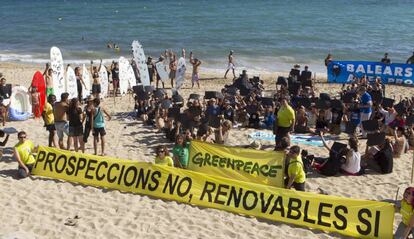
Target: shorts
{"type": "Point", "coordinates": [75, 131]}
{"type": "Point", "coordinates": [96, 89]}
{"type": "Point", "coordinates": [50, 127]}
{"type": "Point", "coordinates": [231, 66]}
{"type": "Point", "coordinates": [299, 186]}
{"type": "Point", "coordinates": [49, 91]}
{"type": "Point", "coordinates": [99, 131]}
{"type": "Point", "coordinates": [195, 78]}
{"type": "Point", "coordinates": [115, 83]}
{"type": "Point", "coordinates": [6, 102]}
{"type": "Point", "coordinates": [61, 129]}
{"type": "Point", "coordinates": [172, 74]}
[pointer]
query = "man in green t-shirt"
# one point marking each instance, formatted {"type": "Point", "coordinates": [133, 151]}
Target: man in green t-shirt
{"type": "Point", "coordinates": [296, 172]}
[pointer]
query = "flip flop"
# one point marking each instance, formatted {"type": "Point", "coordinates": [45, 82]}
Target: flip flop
{"type": "Point", "coordinates": [70, 222]}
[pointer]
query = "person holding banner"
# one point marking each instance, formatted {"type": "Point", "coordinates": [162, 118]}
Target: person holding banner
{"type": "Point", "coordinates": [296, 172]}
{"type": "Point", "coordinates": [163, 157]}
{"type": "Point", "coordinates": [181, 152]}
{"type": "Point", "coordinates": [23, 152]}
{"type": "Point", "coordinates": [405, 228]}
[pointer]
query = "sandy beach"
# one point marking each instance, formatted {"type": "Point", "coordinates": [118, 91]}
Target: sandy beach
{"type": "Point", "coordinates": [38, 207]}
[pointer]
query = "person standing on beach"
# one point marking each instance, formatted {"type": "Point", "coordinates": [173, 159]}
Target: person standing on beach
{"type": "Point", "coordinates": [230, 65]}
{"type": "Point", "coordinates": [60, 110]}
{"type": "Point", "coordinates": [365, 107]}
{"type": "Point", "coordinates": [285, 121]}
{"type": "Point", "coordinates": [88, 118]}
{"type": "Point", "coordinates": [49, 120]}
{"type": "Point", "coordinates": [196, 63]}
{"type": "Point", "coordinates": [79, 83]}
{"type": "Point", "coordinates": [75, 116]}
{"type": "Point", "coordinates": [328, 59]}
{"type": "Point", "coordinates": [23, 152]}
{"type": "Point", "coordinates": [386, 60]}
{"type": "Point", "coordinates": [410, 60]}
{"type": "Point", "coordinates": [96, 84]}
{"type": "Point", "coordinates": [173, 67]}
{"type": "Point", "coordinates": [115, 77]}
{"type": "Point", "coordinates": [99, 126]}
{"type": "Point", "coordinates": [47, 74]}
{"type": "Point", "coordinates": [151, 69]}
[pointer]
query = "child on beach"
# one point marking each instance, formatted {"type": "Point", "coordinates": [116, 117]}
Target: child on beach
{"type": "Point", "coordinates": [35, 100]}
{"type": "Point", "coordinates": [163, 157]}
{"type": "Point", "coordinates": [47, 74]}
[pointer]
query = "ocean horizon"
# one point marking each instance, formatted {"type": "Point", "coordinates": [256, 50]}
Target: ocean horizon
{"type": "Point", "coordinates": [266, 36]}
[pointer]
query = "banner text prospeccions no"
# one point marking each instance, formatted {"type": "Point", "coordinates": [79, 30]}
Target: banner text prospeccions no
{"type": "Point", "coordinates": [356, 218]}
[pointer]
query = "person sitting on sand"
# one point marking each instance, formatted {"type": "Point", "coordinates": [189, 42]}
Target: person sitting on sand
{"type": "Point", "coordinates": [222, 133]}
{"type": "Point", "coordinates": [400, 142]}
{"type": "Point", "coordinates": [96, 84]}
{"type": "Point", "coordinates": [406, 208]}
{"type": "Point", "coordinates": [49, 119]}
{"type": "Point", "coordinates": [35, 100]}
{"type": "Point", "coordinates": [23, 152]}
{"type": "Point", "coordinates": [99, 126]}
{"type": "Point", "coordinates": [47, 74]}
{"type": "Point", "coordinates": [330, 166]}
{"type": "Point", "coordinates": [380, 158]}
{"type": "Point", "coordinates": [181, 152]}
{"type": "Point", "coordinates": [296, 172]}
{"type": "Point", "coordinates": [301, 123]}
{"type": "Point", "coordinates": [163, 157]}
{"type": "Point", "coordinates": [195, 77]}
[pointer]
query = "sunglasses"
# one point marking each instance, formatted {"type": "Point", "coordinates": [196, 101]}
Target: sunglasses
{"type": "Point", "coordinates": [161, 151]}
{"type": "Point", "coordinates": [22, 137]}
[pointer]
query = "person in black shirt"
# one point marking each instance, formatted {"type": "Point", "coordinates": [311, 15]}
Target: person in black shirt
{"type": "Point", "coordinates": [410, 60]}
{"type": "Point", "coordinates": [380, 158]}
{"type": "Point", "coordinates": [115, 76]}
{"type": "Point", "coordinates": [386, 60]}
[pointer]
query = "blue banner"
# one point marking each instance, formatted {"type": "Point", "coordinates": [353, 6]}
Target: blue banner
{"type": "Point", "coordinates": [345, 71]}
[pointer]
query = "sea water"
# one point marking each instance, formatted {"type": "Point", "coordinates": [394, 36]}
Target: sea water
{"type": "Point", "coordinates": [268, 35]}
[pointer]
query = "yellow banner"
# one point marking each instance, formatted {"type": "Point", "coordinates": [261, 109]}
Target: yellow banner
{"type": "Point", "coordinates": [351, 217]}
{"type": "Point", "coordinates": [249, 165]}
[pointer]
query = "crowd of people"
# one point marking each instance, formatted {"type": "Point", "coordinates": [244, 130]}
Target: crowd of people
{"type": "Point", "coordinates": [361, 110]}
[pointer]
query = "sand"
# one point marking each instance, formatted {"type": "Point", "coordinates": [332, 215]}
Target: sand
{"type": "Point", "coordinates": [39, 207]}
